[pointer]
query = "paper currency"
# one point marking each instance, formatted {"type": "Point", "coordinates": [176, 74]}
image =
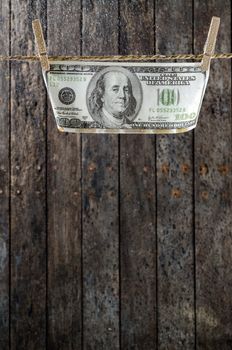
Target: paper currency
{"type": "Point", "coordinates": [125, 97]}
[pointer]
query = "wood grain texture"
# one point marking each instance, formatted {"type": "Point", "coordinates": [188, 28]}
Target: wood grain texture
{"type": "Point", "coordinates": [175, 199]}
{"type": "Point", "coordinates": [4, 179]}
{"type": "Point", "coordinates": [28, 209]}
{"type": "Point", "coordinates": [213, 161]}
{"type": "Point", "coordinates": [137, 200]}
{"type": "Point", "coordinates": [64, 198]}
{"type": "Point", "coordinates": [117, 242]}
{"type": "Point", "coordinates": [100, 199]}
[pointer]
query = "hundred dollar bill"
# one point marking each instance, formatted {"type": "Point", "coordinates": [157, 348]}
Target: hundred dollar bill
{"type": "Point", "coordinates": [125, 97]}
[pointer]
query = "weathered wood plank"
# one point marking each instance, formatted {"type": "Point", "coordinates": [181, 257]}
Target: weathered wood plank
{"type": "Point", "coordinates": [137, 200]}
{"type": "Point", "coordinates": [64, 198]}
{"type": "Point", "coordinates": [175, 232]}
{"type": "Point", "coordinates": [28, 191]}
{"type": "Point", "coordinates": [213, 139]}
{"type": "Point", "coordinates": [100, 199]}
{"type": "Point", "coordinates": [4, 179]}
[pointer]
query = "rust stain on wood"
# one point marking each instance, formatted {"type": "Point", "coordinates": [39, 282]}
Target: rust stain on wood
{"type": "Point", "coordinates": [223, 169]}
{"type": "Point", "coordinates": [165, 169]}
{"type": "Point", "coordinates": [185, 168]}
{"type": "Point", "coordinates": [176, 193]}
{"type": "Point", "coordinates": [203, 169]}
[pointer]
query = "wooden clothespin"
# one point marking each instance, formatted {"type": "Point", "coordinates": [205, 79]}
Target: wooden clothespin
{"type": "Point", "coordinates": [210, 43]}
{"type": "Point", "coordinates": [39, 38]}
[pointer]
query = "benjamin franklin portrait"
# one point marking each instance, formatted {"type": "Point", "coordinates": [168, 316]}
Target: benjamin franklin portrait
{"type": "Point", "coordinates": [111, 100]}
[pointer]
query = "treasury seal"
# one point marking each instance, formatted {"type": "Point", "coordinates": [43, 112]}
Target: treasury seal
{"type": "Point", "coordinates": [67, 95]}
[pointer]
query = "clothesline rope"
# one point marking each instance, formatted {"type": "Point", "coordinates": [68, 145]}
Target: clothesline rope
{"type": "Point", "coordinates": [116, 57]}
